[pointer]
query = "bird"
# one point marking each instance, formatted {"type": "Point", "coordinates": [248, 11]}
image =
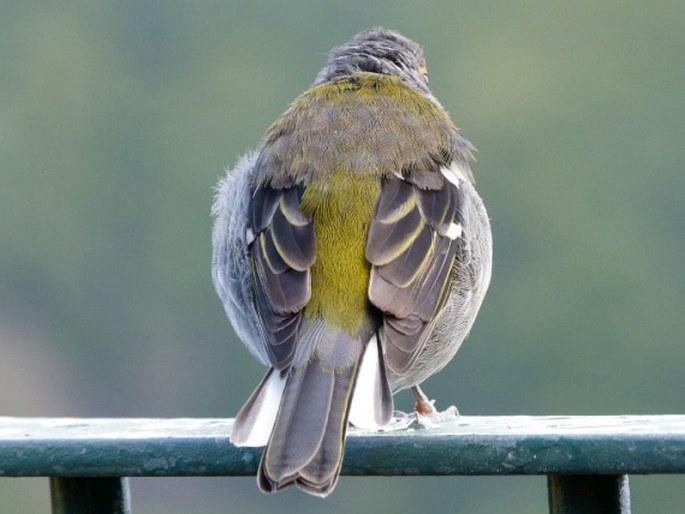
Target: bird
{"type": "Point", "coordinates": [351, 253]}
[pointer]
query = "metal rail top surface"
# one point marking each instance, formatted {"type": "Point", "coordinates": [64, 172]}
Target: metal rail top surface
{"type": "Point", "coordinates": [490, 445]}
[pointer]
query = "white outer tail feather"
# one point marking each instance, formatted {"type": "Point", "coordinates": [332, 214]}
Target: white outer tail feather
{"type": "Point", "coordinates": [365, 399]}
{"type": "Point", "coordinates": [263, 412]}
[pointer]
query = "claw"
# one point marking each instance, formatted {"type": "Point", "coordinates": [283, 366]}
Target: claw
{"type": "Point", "coordinates": [426, 413]}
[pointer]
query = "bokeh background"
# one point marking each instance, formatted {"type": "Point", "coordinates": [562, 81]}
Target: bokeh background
{"type": "Point", "coordinates": [117, 118]}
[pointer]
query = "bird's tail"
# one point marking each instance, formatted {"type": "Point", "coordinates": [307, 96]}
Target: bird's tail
{"type": "Point", "coordinates": [306, 444]}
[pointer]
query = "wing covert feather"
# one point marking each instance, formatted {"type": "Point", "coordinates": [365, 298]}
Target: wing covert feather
{"type": "Point", "coordinates": [282, 254]}
{"type": "Point", "coordinates": [412, 242]}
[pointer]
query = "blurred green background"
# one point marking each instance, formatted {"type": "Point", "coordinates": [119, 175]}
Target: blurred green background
{"type": "Point", "coordinates": [117, 118]}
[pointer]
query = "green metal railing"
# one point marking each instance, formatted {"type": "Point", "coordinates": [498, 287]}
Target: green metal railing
{"type": "Point", "coordinates": [587, 459]}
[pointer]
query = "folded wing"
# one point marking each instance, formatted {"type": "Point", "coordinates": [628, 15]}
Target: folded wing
{"type": "Point", "coordinates": [412, 242]}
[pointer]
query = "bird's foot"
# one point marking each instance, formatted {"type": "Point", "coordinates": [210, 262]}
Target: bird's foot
{"type": "Point", "coordinates": [426, 413]}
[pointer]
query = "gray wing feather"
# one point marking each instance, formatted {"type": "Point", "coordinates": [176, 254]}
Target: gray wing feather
{"type": "Point", "coordinates": [281, 255]}
{"type": "Point", "coordinates": [412, 256]}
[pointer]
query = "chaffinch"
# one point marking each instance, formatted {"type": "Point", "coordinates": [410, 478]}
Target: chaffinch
{"type": "Point", "coordinates": [351, 253]}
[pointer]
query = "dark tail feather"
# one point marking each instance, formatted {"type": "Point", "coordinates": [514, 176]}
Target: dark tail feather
{"type": "Point", "coordinates": [308, 439]}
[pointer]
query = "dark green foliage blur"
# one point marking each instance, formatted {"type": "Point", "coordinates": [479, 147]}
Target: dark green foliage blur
{"type": "Point", "coordinates": [117, 118]}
